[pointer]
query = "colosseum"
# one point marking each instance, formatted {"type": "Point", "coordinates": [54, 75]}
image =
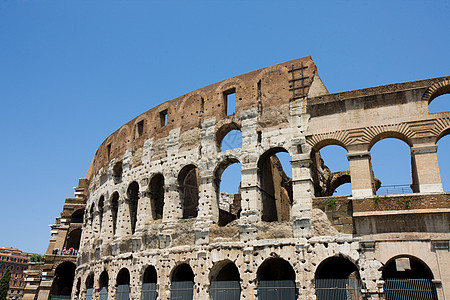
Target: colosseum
{"type": "Point", "coordinates": [150, 221]}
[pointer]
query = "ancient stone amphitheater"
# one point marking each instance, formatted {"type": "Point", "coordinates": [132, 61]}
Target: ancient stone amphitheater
{"type": "Point", "coordinates": [157, 226]}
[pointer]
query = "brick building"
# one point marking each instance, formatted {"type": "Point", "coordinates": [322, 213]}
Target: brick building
{"type": "Point", "coordinates": [17, 261]}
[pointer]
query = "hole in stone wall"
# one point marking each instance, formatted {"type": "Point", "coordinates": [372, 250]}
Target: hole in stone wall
{"type": "Point", "coordinates": [232, 140]}
{"type": "Point", "coordinates": [133, 198]}
{"type": "Point", "coordinates": [101, 203]}
{"type": "Point", "coordinates": [63, 280]}
{"type": "Point", "coordinates": [108, 151]}
{"type": "Point", "coordinates": [163, 118]}
{"type": "Point", "coordinates": [114, 209]}
{"type": "Point", "coordinates": [228, 183]}
{"type": "Point", "coordinates": [140, 129]}
{"type": "Point", "coordinates": [188, 185]}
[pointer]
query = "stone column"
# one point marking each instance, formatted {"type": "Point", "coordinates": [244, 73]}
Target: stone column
{"type": "Point", "coordinates": [95, 224]}
{"type": "Point", "coordinates": [361, 174]}
{"type": "Point", "coordinates": [303, 192]}
{"type": "Point", "coordinates": [144, 211]}
{"type": "Point", "coordinates": [208, 208]}
{"type": "Point", "coordinates": [424, 164]}
{"type": "Point", "coordinates": [250, 203]}
{"type": "Point", "coordinates": [172, 211]}
{"type": "Point", "coordinates": [106, 233]}
{"type": "Point", "coordinates": [123, 227]}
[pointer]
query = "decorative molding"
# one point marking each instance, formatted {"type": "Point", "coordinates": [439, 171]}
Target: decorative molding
{"type": "Point", "coordinates": [434, 90]}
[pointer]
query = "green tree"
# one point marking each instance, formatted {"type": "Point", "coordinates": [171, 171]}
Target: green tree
{"type": "Point", "coordinates": [4, 284]}
{"type": "Point", "coordinates": [36, 258]}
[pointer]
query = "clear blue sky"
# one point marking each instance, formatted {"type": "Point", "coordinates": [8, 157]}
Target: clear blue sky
{"type": "Point", "coordinates": [72, 72]}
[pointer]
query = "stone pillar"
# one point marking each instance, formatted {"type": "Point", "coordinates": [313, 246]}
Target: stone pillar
{"type": "Point", "coordinates": [208, 208]}
{"type": "Point", "coordinates": [106, 233]}
{"type": "Point", "coordinates": [361, 174]}
{"type": "Point", "coordinates": [95, 224]}
{"type": "Point", "coordinates": [426, 175]}
{"type": "Point", "coordinates": [303, 192]}
{"type": "Point", "coordinates": [251, 202]}
{"type": "Point", "coordinates": [123, 227]}
{"type": "Point", "coordinates": [144, 211]}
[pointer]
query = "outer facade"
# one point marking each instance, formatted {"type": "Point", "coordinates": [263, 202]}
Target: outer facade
{"type": "Point", "coordinates": [155, 214]}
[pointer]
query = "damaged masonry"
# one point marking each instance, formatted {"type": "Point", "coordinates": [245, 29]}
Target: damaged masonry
{"type": "Point", "coordinates": [150, 220]}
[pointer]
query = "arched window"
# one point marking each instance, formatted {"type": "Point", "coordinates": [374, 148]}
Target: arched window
{"type": "Point", "coordinates": [182, 283]}
{"type": "Point", "coordinates": [188, 185]}
{"type": "Point", "coordinates": [276, 280]}
{"type": "Point", "coordinates": [149, 290]}
{"type": "Point", "coordinates": [391, 164]}
{"type": "Point", "coordinates": [114, 210]}
{"type": "Point", "coordinates": [89, 286]}
{"type": "Point", "coordinates": [133, 198]}
{"type": "Point", "coordinates": [103, 283]}
{"type": "Point", "coordinates": [275, 182]}
{"type": "Point", "coordinates": [229, 136]}
{"type": "Point", "coordinates": [101, 204]}
{"type": "Point", "coordinates": [63, 280]}
{"type": "Point", "coordinates": [408, 278]}
{"type": "Point", "coordinates": [228, 188]}
{"type": "Point", "coordinates": [157, 196]}
{"type": "Point", "coordinates": [331, 171]}
{"type": "Point", "coordinates": [225, 281]}
{"type": "Point", "coordinates": [337, 278]}
{"type": "Point", "coordinates": [123, 285]}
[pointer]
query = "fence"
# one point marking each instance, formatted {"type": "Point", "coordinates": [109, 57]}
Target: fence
{"type": "Point", "coordinates": [338, 289]}
{"type": "Point", "coordinates": [276, 289]}
{"type": "Point", "coordinates": [402, 289]}
{"type": "Point", "coordinates": [225, 290]}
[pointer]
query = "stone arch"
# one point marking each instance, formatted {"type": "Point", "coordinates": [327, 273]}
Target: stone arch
{"type": "Point", "coordinates": [63, 279]}
{"type": "Point", "coordinates": [390, 134]}
{"type": "Point", "coordinates": [114, 207]}
{"type": "Point", "coordinates": [225, 280]}
{"type": "Point", "coordinates": [224, 127]}
{"type": "Point", "coordinates": [182, 282]}
{"type": "Point", "coordinates": [103, 283]}
{"type": "Point", "coordinates": [276, 272]}
{"type": "Point", "coordinates": [123, 137]}
{"type": "Point", "coordinates": [149, 283]}
{"type": "Point", "coordinates": [77, 216]}
{"type": "Point", "coordinates": [157, 191]}
{"type": "Point", "coordinates": [271, 69]}
{"type": "Point", "coordinates": [276, 187]}
{"type": "Point", "coordinates": [100, 207]}
{"type": "Point", "coordinates": [318, 145]}
{"type": "Point", "coordinates": [89, 283]}
{"type": "Point", "coordinates": [123, 284]}
{"type": "Point", "coordinates": [73, 239]}
{"type": "Point", "coordinates": [137, 131]}
{"type": "Point", "coordinates": [415, 268]}
{"type": "Point", "coordinates": [337, 267]}
{"type": "Point", "coordinates": [188, 183]}
{"type": "Point", "coordinates": [225, 215]}
{"type": "Point", "coordinates": [437, 89]}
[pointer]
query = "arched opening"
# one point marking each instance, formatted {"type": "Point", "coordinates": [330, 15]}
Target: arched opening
{"type": "Point", "coordinates": [89, 286]}
{"type": "Point", "coordinates": [391, 164]}
{"type": "Point", "coordinates": [63, 281]}
{"type": "Point", "coordinates": [91, 216]}
{"type": "Point", "coordinates": [407, 277]}
{"type": "Point", "coordinates": [274, 175]}
{"type": "Point", "coordinates": [133, 198]}
{"type": "Point", "coordinates": [225, 281]}
{"type": "Point", "coordinates": [337, 278]}
{"type": "Point", "coordinates": [331, 171]}
{"type": "Point", "coordinates": [228, 189]}
{"type": "Point", "coordinates": [114, 210]}
{"type": "Point", "coordinates": [123, 285]}
{"type": "Point", "coordinates": [229, 136]}
{"type": "Point", "coordinates": [101, 204]}
{"type": "Point", "coordinates": [103, 284]}
{"type": "Point", "coordinates": [188, 185]}
{"type": "Point", "coordinates": [73, 240]}
{"type": "Point", "coordinates": [149, 290]}
{"type": "Point", "coordinates": [77, 216]}
{"type": "Point", "coordinates": [157, 196]}
{"type": "Point", "coordinates": [440, 103]}
{"type": "Point", "coordinates": [182, 285]}
{"type": "Point", "coordinates": [444, 159]}
{"type": "Point", "coordinates": [276, 280]}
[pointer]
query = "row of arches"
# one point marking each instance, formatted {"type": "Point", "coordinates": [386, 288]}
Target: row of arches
{"type": "Point", "coordinates": [335, 278]}
{"type": "Point", "coordinates": [392, 163]}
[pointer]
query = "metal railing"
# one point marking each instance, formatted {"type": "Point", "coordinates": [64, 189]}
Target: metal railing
{"type": "Point", "coordinates": [395, 189]}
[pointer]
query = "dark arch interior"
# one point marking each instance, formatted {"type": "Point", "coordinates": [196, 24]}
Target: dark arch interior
{"type": "Point", "coordinates": [406, 267]}
{"type": "Point", "coordinates": [63, 280]}
{"type": "Point", "coordinates": [188, 183]}
{"type": "Point", "coordinates": [229, 272]}
{"type": "Point", "coordinates": [133, 197]}
{"type": "Point", "coordinates": [114, 209]}
{"type": "Point", "coordinates": [276, 187]}
{"type": "Point", "coordinates": [90, 281]}
{"type": "Point", "coordinates": [276, 269]}
{"type": "Point", "coordinates": [77, 216]}
{"type": "Point", "coordinates": [73, 240]}
{"type": "Point", "coordinates": [104, 279]}
{"type": "Point", "coordinates": [101, 203]}
{"type": "Point", "coordinates": [123, 277]}
{"type": "Point", "coordinates": [183, 273]}
{"type": "Point", "coordinates": [77, 292]}
{"type": "Point", "coordinates": [336, 268]}
{"type": "Point", "coordinates": [150, 275]}
{"type": "Point", "coordinates": [157, 195]}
